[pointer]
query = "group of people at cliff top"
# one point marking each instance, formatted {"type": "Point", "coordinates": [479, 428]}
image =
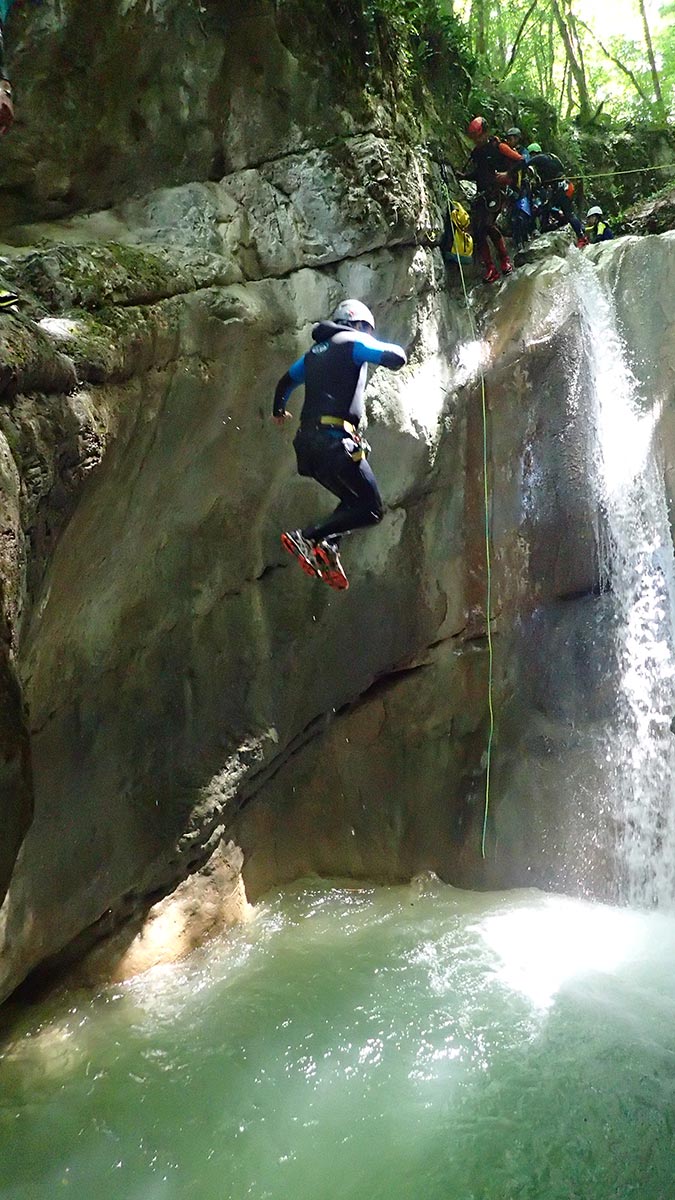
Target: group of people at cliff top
{"type": "Point", "coordinates": [527, 184]}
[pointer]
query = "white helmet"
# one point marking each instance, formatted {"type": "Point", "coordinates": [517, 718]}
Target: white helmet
{"type": "Point", "coordinates": [350, 311]}
{"type": "Point", "coordinates": [595, 211]}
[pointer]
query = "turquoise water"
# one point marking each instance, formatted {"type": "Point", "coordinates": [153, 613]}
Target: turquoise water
{"type": "Point", "coordinates": [411, 1043]}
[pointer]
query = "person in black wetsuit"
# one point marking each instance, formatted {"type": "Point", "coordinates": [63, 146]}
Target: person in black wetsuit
{"type": "Point", "coordinates": [493, 165]}
{"type": "Point", "coordinates": [553, 190]}
{"type": "Point", "coordinates": [328, 446]}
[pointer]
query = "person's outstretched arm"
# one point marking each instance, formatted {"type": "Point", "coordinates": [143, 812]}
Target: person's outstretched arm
{"type": "Point", "coordinates": [367, 349]}
{"type": "Point", "coordinates": [508, 152]}
{"type": "Point", "coordinates": [293, 377]}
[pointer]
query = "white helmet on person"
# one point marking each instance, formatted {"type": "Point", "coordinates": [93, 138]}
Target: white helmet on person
{"type": "Point", "coordinates": [595, 211]}
{"type": "Point", "coordinates": [350, 312]}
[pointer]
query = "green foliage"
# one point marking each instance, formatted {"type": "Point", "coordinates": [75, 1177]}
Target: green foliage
{"type": "Point", "coordinates": [599, 70]}
{"type": "Point", "coordinates": [397, 50]}
{"type": "Point", "coordinates": [416, 36]}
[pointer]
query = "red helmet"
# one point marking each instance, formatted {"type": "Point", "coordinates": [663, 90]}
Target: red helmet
{"type": "Point", "coordinates": [477, 128]}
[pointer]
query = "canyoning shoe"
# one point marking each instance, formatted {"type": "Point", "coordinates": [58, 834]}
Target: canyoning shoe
{"type": "Point", "coordinates": [491, 275]}
{"type": "Point", "coordinates": [506, 265]}
{"type": "Point", "coordinates": [7, 299]}
{"type": "Point", "coordinates": [302, 549]}
{"type": "Point", "coordinates": [330, 568]}
{"type": "Point", "coordinates": [581, 242]}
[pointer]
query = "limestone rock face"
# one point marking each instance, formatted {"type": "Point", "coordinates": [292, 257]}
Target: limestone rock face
{"type": "Point", "coordinates": [654, 215]}
{"type": "Point", "coordinates": [208, 901]}
{"type": "Point", "coordinates": [121, 97]}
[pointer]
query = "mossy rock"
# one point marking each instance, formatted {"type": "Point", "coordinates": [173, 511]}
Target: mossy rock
{"type": "Point", "coordinates": [63, 278]}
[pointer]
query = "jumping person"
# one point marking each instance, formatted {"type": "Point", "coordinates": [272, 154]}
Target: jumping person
{"type": "Point", "coordinates": [328, 446]}
{"type": "Point", "coordinates": [493, 165]}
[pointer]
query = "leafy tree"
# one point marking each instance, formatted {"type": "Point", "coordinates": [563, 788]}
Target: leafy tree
{"type": "Point", "coordinates": [553, 48]}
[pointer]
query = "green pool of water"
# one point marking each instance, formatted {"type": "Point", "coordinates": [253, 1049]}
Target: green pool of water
{"type": "Point", "coordinates": [411, 1043]}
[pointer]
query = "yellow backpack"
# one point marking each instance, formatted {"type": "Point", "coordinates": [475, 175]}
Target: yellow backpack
{"type": "Point", "coordinates": [462, 242]}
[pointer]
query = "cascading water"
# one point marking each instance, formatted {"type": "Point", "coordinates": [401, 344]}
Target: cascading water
{"type": "Point", "coordinates": [638, 565]}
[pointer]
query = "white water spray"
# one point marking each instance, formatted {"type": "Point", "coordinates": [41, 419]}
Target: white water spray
{"type": "Point", "coordinates": [638, 565]}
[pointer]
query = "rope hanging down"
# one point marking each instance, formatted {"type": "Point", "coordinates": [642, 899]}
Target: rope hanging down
{"type": "Point", "coordinates": [488, 557]}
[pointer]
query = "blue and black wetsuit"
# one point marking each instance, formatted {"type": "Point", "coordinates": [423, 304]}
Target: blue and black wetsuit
{"type": "Point", "coordinates": [327, 445]}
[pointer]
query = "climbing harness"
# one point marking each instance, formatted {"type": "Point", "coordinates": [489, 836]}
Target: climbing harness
{"type": "Point", "coordinates": [488, 557]}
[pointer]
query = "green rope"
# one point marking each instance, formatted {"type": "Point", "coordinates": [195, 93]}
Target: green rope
{"type": "Point", "coordinates": [631, 171]}
{"type": "Point", "coordinates": [611, 174]}
{"type": "Point", "coordinates": [488, 557]}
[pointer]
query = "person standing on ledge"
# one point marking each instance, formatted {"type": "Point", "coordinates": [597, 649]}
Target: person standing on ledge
{"type": "Point", "coordinates": [328, 446]}
{"type": "Point", "coordinates": [493, 165]}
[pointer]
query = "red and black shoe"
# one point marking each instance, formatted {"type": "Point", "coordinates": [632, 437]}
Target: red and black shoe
{"type": "Point", "coordinates": [491, 273]}
{"type": "Point", "coordinates": [302, 549]}
{"type": "Point", "coordinates": [330, 568]}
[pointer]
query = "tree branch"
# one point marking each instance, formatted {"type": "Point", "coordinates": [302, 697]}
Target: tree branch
{"type": "Point", "coordinates": [518, 37]}
{"type": "Point", "coordinates": [617, 62]}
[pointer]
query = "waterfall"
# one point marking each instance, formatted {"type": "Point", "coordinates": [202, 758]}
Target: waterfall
{"type": "Point", "coordinates": [637, 565]}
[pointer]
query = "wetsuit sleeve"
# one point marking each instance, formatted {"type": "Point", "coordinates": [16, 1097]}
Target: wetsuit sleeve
{"type": "Point", "coordinates": [380, 354]}
{"type": "Point", "coordinates": [295, 375]}
{"type": "Point", "coordinates": [508, 152]}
